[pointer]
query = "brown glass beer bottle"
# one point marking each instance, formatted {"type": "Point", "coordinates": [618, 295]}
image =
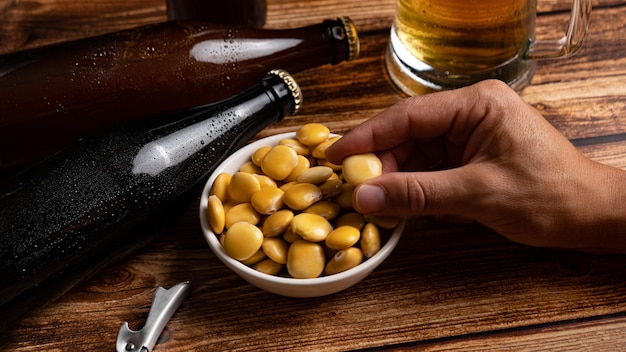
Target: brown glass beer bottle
{"type": "Point", "coordinates": [53, 95]}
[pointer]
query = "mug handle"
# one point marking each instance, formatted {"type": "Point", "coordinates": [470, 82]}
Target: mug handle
{"type": "Point", "coordinates": [571, 42]}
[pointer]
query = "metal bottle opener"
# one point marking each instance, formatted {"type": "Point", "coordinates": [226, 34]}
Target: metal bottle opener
{"type": "Point", "coordinates": [164, 304]}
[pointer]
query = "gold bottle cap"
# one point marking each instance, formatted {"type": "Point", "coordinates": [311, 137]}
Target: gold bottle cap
{"type": "Point", "coordinates": [353, 38]}
{"type": "Point", "coordinates": [296, 93]}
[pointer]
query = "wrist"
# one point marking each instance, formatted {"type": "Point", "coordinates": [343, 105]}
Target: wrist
{"type": "Point", "coordinates": [604, 227]}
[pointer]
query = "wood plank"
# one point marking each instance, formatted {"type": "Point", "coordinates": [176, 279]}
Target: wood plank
{"type": "Point", "coordinates": [446, 287]}
{"type": "Point", "coordinates": [442, 281]}
{"type": "Point", "coordinates": [605, 334]}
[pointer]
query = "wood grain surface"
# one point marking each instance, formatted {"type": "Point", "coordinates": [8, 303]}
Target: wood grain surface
{"type": "Point", "coordinates": [447, 287]}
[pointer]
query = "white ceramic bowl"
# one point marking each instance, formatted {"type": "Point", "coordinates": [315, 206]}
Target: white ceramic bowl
{"type": "Point", "coordinates": [285, 286]}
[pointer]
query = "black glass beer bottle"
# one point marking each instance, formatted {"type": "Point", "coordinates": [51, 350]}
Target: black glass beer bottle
{"type": "Point", "coordinates": [103, 196]}
{"type": "Point", "coordinates": [54, 95]}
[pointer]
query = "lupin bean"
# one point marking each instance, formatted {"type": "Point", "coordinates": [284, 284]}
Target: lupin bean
{"type": "Point", "coordinates": [361, 167]}
{"type": "Point", "coordinates": [370, 240]}
{"type": "Point", "coordinates": [277, 223]}
{"type": "Point", "coordinates": [319, 151]}
{"type": "Point", "coordinates": [276, 249]}
{"type": "Point", "coordinates": [256, 257]}
{"type": "Point", "coordinates": [259, 154]}
{"type": "Point", "coordinates": [305, 260]}
{"type": "Point", "coordinates": [279, 162]}
{"type": "Point", "coordinates": [312, 134]}
{"type": "Point", "coordinates": [311, 227]}
{"type": "Point", "coordinates": [250, 168]}
{"type": "Point", "coordinates": [215, 214]}
{"type": "Point", "coordinates": [298, 146]}
{"type": "Point", "coordinates": [242, 240]}
{"type": "Point", "coordinates": [302, 195]}
{"type": "Point", "coordinates": [303, 165]}
{"type": "Point", "coordinates": [243, 212]}
{"type": "Point", "coordinates": [344, 260]}
{"type": "Point", "coordinates": [331, 188]}
{"type": "Point", "coordinates": [353, 219]}
{"type": "Point", "coordinates": [241, 187]}
{"type": "Point", "coordinates": [343, 237]}
{"type": "Point", "coordinates": [265, 181]}
{"type": "Point", "coordinates": [269, 267]}
{"type": "Point", "coordinates": [324, 208]}
{"type": "Point", "coordinates": [267, 200]}
{"type": "Point", "coordinates": [315, 175]}
{"type": "Point", "coordinates": [220, 186]}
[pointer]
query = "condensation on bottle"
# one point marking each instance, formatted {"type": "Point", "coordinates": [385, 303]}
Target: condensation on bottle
{"type": "Point", "coordinates": [109, 193]}
{"type": "Point", "coordinates": [54, 95]}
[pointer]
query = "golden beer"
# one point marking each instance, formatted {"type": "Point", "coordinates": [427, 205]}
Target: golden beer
{"type": "Point", "coordinates": [465, 35]}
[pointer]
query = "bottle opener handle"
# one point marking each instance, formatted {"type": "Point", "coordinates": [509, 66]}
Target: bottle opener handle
{"type": "Point", "coordinates": [164, 304]}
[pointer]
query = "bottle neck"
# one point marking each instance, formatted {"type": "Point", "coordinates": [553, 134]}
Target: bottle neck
{"type": "Point", "coordinates": [192, 135]}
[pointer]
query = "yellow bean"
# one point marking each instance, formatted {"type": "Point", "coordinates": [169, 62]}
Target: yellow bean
{"type": "Point", "coordinates": [315, 175]}
{"type": "Point", "coordinates": [344, 199]}
{"type": "Point", "coordinates": [298, 146]}
{"type": "Point", "coordinates": [250, 168]}
{"type": "Point", "coordinates": [344, 260]}
{"type": "Point", "coordinates": [331, 188]}
{"type": "Point", "coordinates": [302, 195]}
{"type": "Point", "coordinates": [241, 212]}
{"type": "Point", "coordinates": [267, 200]}
{"type": "Point", "coordinates": [353, 219]}
{"type": "Point", "coordinates": [305, 260]}
{"type": "Point", "coordinates": [256, 257]}
{"type": "Point", "coordinates": [385, 222]}
{"type": "Point", "coordinates": [220, 186]}
{"type": "Point", "coordinates": [312, 133]}
{"type": "Point", "coordinates": [269, 267]}
{"type": "Point", "coordinates": [342, 237]}
{"type": "Point", "coordinates": [290, 236]}
{"type": "Point", "coordinates": [277, 223]}
{"type": "Point", "coordinates": [215, 214]}
{"type": "Point", "coordinates": [311, 227]}
{"type": "Point", "coordinates": [228, 205]}
{"type": "Point", "coordinates": [279, 162]}
{"type": "Point", "coordinates": [370, 240]}
{"type": "Point", "coordinates": [361, 167]}
{"type": "Point", "coordinates": [265, 181]}
{"type": "Point", "coordinates": [241, 187]}
{"type": "Point", "coordinates": [242, 240]}
{"type": "Point", "coordinates": [326, 209]}
{"type": "Point", "coordinates": [324, 162]}
{"type": "Point", "coordinates": [320, 150]}
{"type": "Point", "coordinates": [303, 164]}
{"type": "Point", "coordinates": [259, 154]}
{"type": "Point", "coordinates": [276, 249]}
{"type": "Point", "coordinates": [288, 185]}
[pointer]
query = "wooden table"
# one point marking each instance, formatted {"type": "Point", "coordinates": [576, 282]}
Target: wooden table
{"type": "Point", "coordinates": [446, 286]}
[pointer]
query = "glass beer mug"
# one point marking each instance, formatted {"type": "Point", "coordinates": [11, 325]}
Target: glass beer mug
{"type": "Point", "coordinates": [445, 44]}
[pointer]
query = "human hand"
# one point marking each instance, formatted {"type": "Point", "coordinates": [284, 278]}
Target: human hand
{"type": "Point", "coordinates": [482, 153]}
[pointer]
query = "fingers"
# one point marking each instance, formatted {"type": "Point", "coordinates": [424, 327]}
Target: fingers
{"type": "Point", "coordinates": [450, 192]}
{"type": "Point", "coordinates": [454, 114]}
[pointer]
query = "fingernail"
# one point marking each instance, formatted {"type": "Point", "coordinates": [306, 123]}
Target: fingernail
{"type": "Point", "coordinates": [370, 199]}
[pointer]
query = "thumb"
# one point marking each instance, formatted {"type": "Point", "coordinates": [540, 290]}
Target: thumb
{"type": "Point", "coordinates": [454, 192]}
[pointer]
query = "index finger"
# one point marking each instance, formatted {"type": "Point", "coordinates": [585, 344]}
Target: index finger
{"type": "Point", "coordinates": [452, 114]}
